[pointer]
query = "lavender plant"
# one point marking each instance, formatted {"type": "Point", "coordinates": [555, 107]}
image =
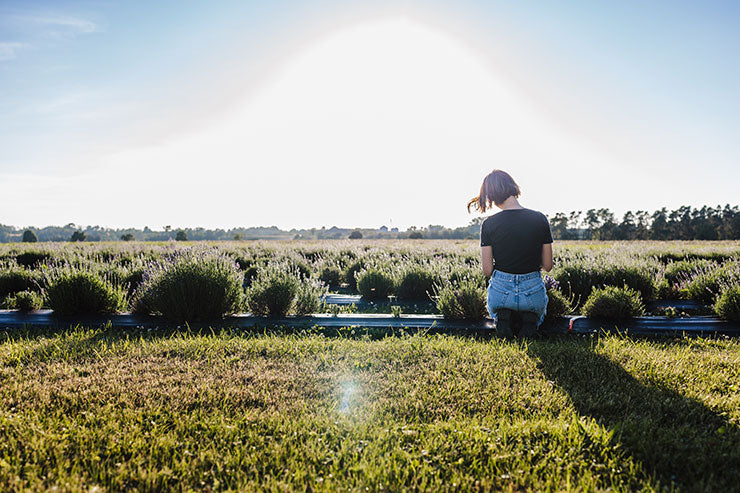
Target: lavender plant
{"type": "Point", "coordinates": [728, 303]}
{"type": "Point", "coordinates": [705, 284]}
{"type": "Point", "coordinates": [189, 285]}
{"type": "Point", "coordinates": [375, 284]}
{"type": "Point", "coordinates": [14, 279]}
{"type": "Point", "coordinates": [309, 297]}
{"type": "Point", "coordinates": [72, 291]}
{"type": "Point", "coordinates": [25, 301]}
{"type": "Point", "coordinates": [279, 290]}
{"type": "Point", "coordinates": [612, 302]}
{"type": "Point", "coordinates": [416, 282]}
{"type": "Point", "coordinates": [462, 301]}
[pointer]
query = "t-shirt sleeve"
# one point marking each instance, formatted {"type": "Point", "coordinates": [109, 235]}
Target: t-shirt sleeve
{"type": "Point", "coordinates": [485, 237]}
{"type": "Point", "coordinates": [546, 232]}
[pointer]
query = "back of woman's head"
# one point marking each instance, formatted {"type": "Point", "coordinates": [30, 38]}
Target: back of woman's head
{"type": "Point", "coordinates": [497, 187]}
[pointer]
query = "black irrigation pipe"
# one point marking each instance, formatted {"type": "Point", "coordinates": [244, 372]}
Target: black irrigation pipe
{"type": "Point", "coordinates": [358, 300]}
{"type": "Point", "coordinates": [678, 304]}
{"type": "Point", "coordinates": [696, 326]}
{"type": "Point", "coordinates": [47, 318]}
{"type": "Point", "coordinates": [363, 304]}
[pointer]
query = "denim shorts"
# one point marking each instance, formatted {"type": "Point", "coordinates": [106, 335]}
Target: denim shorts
{"type": "Point", "coordinates": [519, 292]}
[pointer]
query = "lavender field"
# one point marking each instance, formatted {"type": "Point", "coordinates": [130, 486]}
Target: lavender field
{"type": "Point", "coordinates": [189, 281]}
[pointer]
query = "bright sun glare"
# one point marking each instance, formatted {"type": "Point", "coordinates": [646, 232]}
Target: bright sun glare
{"type": "Point", "coordinates": [390, 123]}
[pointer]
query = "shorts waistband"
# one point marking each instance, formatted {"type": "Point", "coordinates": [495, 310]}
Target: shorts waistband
{"type": "Point", "coordinates": [514, 277]}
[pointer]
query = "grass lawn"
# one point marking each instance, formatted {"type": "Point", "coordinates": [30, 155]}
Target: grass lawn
{"type": "Point", "coordinates": [151, 411]}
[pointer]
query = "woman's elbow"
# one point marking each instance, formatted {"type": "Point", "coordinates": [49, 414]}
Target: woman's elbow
{"type": "Point", "coordinates": [547, 266]}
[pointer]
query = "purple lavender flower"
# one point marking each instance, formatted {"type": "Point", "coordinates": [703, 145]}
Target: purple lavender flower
{"type": "Point", "coordinates": [551, 283]}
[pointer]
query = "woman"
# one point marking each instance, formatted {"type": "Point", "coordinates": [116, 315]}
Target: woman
{"type": "Point", "coordinates": [515, 244]}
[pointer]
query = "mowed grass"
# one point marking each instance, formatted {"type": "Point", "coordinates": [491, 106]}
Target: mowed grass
{"type": "Point", "coordinates": [109, 410]}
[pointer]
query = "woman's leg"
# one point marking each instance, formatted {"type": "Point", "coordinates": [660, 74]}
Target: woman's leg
{"type": "Point", "coordinates": [500, 295]}
{"type": "Point", "coordinates": [501, 302]}
{"type": "Point", "coordinates": [533, 298]}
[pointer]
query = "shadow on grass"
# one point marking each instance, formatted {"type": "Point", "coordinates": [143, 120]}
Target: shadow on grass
{"type": "Point", "coordinates": [679, 441]}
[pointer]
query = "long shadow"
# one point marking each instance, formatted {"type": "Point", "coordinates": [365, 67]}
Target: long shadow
{"type": "Point", "coordinates": [679, 441]}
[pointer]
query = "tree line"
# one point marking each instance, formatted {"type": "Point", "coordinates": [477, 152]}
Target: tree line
{"type": "Point", "coordinates": [75, 233]}
{"type": "Point", "coordinates": [684, 223]}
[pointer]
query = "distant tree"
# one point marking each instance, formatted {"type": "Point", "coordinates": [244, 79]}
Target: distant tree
{"type": "Point", "coordinates": [29, 236]}
{"type": "Point", "coordinates": [559, 226]}
{"type": "Point", "coordinates": [660, 229]}
{"type": "Point", "coordinates": [78, 236]}
{"type": "Point", "coordinates": [682, 223]}
{"type": "Point", "coordinates": [355, 235]}
{"type": "Point", "coordinates": [573, 229]}
{"type": "Point", "coordinates": [627, 228]}
{"type": "Point", "coordinates": [238, 237]}
{"type": "Point", "coordinates": [416, 235]}
{"type": "Point", "coordinates": [592, 223]}
{"type": "Point", "coordinates": [642, 231]}
{"type": "Point", "coordinates": [607, 225]}
{"type": "Point", "coordinates": [706, 223]}
{"type": "Point", "coordinates": [730, 229]}
{"type": "Point", "coordinates": [181, 236]}
{"type": "Point", "coordinates": [476, 221]}
{"type": "Point", "coordinates": [168, 228]}
{"type": "Point", "coordinates": [574, 219]}
{"type": "Point", "coordinates": [127, 237]}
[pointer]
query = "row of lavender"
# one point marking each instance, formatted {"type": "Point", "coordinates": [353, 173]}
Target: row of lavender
{"type": "Point", "coordinates": [189, 282]}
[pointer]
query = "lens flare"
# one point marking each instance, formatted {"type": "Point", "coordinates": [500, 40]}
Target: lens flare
{"type": "Point", "coordinates": [348, 390]}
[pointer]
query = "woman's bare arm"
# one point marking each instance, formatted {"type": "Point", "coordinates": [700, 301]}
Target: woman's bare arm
{"type": "Point", "coordinates": [487, 260]}
{"type": "Point", "coordinates": [547, 257]}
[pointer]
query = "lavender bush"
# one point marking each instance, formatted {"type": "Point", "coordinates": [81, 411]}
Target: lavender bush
{"type": "Point", "coordinates": [705, 284]}
{"type": "Point", "coordinates": [189, 285]}
{"type": "Point", "coordinates": [461, 301]}
{"type": "Point", "coordinates": [72, 291]}
{"type": "Point", "coordinates": [728, 304]}
{"type": "Point", "coordinates": [375, 283]}
{"type": "Point", "coordinates": [280, 290]}
{"type": "Point", "coordinates": [612, 302]}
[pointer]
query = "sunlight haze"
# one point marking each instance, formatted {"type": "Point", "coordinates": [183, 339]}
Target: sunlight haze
{"type": "Point", "coordinates": [392, 121]}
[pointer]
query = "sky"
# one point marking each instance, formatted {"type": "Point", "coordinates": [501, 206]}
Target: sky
{"type": "Point", "coordinates": [361, 113]}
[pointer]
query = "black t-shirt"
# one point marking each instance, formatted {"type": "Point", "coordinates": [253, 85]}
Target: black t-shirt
{"type": "Point", "coordinates": [517, 236]}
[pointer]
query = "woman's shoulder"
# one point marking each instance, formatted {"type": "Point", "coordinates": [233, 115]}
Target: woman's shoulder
{"type": "Point", "coordinates": [535, 213]}
{"type": "Point", "coordinates": [523, 211]}
{"type": "Point", "coordinates": [512, 214]}
{"type": "Point", "coordinates": [492, 219]}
